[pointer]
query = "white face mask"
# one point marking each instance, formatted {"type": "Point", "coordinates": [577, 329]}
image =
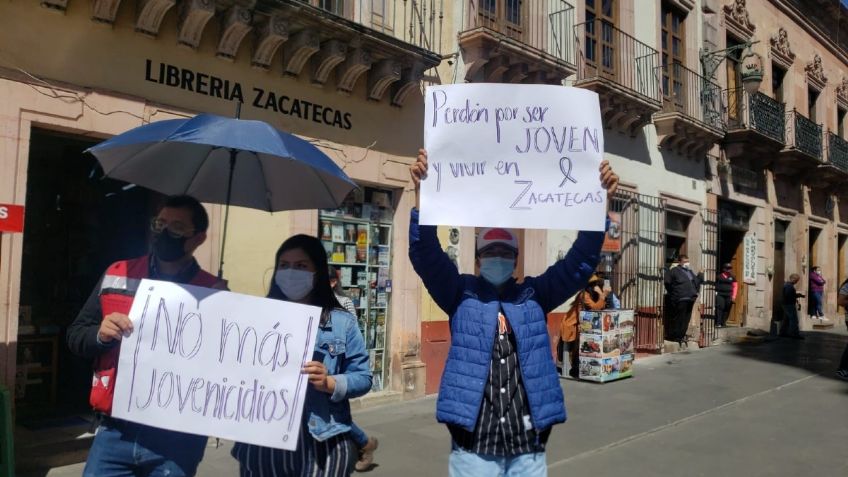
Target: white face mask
{"type": "Point", "coordinates": [295, 284]}
{"type": "Point", "coordinates": [685, 264]}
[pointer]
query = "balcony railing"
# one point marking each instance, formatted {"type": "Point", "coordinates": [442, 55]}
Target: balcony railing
{"type": "Point", "coordinates": [605, 52]}
{"type": "Point", "coordinates": [757, 112]}
{"type": "Point", "coordinates": [685, 91]}
{"type": "Point", "coordinates": [543, 25]}
{"type": "Point", "coordinates": [803, 134]}
{"type": "Point", "coordinates": [417, 22]}
{"type": "Point", "coordinates": [837, 151]}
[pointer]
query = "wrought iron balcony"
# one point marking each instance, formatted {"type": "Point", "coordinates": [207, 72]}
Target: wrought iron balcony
{"type": "Point", "coordinates": [803, 135]}
{"type": "Point", "coordinates": [691, 117]}
{"type": "Point", "coordinates": [515, 41]}
{"type": "Point", "coordinates": [756, 112]}
{"type": "Point", "coordinates": [417, 22]}
{"type": "Point", "coordinates": [837, 152]}
{"type": "Point", "coordinates": [622, 70]}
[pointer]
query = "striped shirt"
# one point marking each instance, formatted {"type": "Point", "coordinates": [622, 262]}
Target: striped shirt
{"type": "Point", "coordinates": [504, 426]}
{"type": "Point", "coordinates": [334, 457]}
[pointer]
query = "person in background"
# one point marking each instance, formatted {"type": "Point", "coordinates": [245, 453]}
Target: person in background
{"type": "Point", "coordinates": [338, 373]}
{"type": "Point", "coordinates": [500, 394]}
{"type": "Point", "coordinates": [726, 289]}
{"type": "Point", "coordinates": [612, 300]}
{"type": "Point", "coordinates": [367, 445]}
{"type": "Point", "coordinates": [335, 284]}
{"type": "Point", "coordinates": [842, 300]}
{"type": "Point", "coordinates": [591, 298]}
{"type": "Point", "coordinates": [120, 447]}
{"type": "Point", "coordinates": [683, 287]}
{"type": "Point", "coordinates": [789, 326]}
{"type": "Point", "coordinates": [816, 302]}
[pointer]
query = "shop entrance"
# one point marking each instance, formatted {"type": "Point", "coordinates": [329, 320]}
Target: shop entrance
{"type": "Point", "coordinates": [779, 277]}
{"type": "Point", "coordinates": [842, 261]}
{"type": "Point", "coordinates": [677, 226]}
{"type": "Point", "coordinates": [814, 235]}
{"type": "Point", "coordinates": [77, 223]}
{"type": "Point", "coordinates": [733, 222]}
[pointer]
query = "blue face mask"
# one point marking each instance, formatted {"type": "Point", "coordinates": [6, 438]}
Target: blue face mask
{"type": "Point", "coordinates": [496, 270]}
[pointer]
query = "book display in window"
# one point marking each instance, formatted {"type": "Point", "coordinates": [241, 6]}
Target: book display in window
{"type": "Point", "coordinates": [357, 238]}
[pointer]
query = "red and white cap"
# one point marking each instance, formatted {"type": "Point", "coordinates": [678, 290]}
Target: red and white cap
{"type": "Point", "coordinates": [496, 236]}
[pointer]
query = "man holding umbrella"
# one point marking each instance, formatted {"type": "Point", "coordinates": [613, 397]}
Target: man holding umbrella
{"type": "Point", "coordinates": [122, 447]}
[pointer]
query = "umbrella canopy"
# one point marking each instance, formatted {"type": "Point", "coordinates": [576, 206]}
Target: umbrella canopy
{"type": "Point", "coordinates": [270, 170]}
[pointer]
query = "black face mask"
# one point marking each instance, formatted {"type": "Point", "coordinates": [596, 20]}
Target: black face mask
{"type": "Point", "coordinates": [168, 248]}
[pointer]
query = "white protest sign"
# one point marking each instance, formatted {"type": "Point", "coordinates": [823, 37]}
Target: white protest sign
{"type": "Point", "coordinates": [524, 156]}
{"type": "Point", "coordinates": [216, 363]}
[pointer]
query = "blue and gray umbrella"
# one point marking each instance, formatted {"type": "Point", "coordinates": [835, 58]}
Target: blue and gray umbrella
{"type": "Point", "coordinates": [226, 161]}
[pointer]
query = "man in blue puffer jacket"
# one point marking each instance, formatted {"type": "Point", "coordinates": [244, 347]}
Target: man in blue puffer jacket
{"type": "Point", "coordinates": [500, 393]}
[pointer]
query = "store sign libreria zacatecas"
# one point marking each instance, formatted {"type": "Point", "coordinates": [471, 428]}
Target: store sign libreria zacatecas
{"type": "Point", "coordinates": [206, 84]}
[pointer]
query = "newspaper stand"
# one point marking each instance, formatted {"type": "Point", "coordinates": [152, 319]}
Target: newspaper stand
{"type": "Point", "coordinates": [606, 345]}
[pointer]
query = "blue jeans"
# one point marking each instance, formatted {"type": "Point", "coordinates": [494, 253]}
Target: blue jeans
{"type": "Point", "coordinates": [122, 448]}
{"type": "Point", "coordinates": [358, 435]}
{"type": "Point", "coordinates": [463, 463]}
{"type": "Point", "coordinates": [818, 301]}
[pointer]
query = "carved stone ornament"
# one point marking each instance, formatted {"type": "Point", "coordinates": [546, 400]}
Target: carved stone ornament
{"type": "Point", "coordinates": [272, 33]}
{"type": "Point", "coordinates": [842, 93]}
{"type": "Point", "coordinates": [780, 49]}
{"type": "Point", "coordinates": [815, 72]}
{"type": "Point", "coordinates": [55, 5]}
{"type": "Point", "coordinates": [737, 19]}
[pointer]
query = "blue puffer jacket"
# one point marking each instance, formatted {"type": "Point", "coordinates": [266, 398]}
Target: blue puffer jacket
{"type": "Point", "coordinates": [473, 304]}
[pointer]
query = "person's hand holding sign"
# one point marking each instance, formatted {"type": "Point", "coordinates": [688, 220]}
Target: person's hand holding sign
{"type": "Point", "coordinates": [318, 377]}
{"type": "Point", "coordinates": [418, 170]}
{"type": "Point", "coordinates": [113, 327]}
{"type": "Point", "coordinates": [609, 179]}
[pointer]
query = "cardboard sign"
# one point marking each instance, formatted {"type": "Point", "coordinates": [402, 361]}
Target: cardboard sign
{"type": "Point", "coordinates": [524, 156]}
{"type": "Point", "coordinates": [11, 218]}
{"type": "Point", "coordinates": [749, 266]}
{"type": "Point", "coordinates": [216, 363]}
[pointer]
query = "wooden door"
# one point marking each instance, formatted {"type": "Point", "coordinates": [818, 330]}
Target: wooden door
{"type": "Point", "coordinates": [779, 278]}
{"type": "Point", "coordinates": [601, 37]}
{"type": "Point", "coordinates": [734, 90]}
{"type": "Point", "coordinates": [673, 58]}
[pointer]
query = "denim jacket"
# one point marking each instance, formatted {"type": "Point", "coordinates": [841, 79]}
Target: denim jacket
{"type": "Point", "coordinates": [341, 347]}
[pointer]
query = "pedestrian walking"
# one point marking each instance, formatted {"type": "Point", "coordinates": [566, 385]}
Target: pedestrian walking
{"type": "Point", "coordinates": [122, 447]}
{"type": "Point", "coordinates": [789, 327]}
{"type": "Point", "coordinates": [339, 372]}
{"type": "Point", "coordinates": [593, 297]}
{"type": "Point", "coordinates": [726, 289]}
{"type": "Point", "coordinates": [683, 287]}
{"type": "Point", "coordinates": [816, 302]}
{"type": "Point", "coordinates": [500, 393]}
{"type": "Point", "coordinates": [367, 445]}
{"type": "Point", "coordinates": [842, 300]}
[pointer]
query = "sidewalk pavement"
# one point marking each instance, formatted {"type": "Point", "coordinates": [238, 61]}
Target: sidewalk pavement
{"type": "Point", "coordinates": [769, 409]}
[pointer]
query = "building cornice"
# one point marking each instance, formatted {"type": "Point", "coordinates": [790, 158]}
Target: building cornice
{"type": "Point", "coordinates": [821, 37]}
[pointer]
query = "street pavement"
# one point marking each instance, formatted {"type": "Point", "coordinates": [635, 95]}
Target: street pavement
{"type": "Point", "coordinates": [767, 409]}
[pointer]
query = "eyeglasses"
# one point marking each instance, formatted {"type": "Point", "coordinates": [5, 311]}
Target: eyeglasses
{"type": "Point", "coordinates": [175, 229]}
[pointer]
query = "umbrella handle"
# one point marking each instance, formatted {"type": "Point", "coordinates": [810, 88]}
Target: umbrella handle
{"type": "Point", "coordinates": [227, 207]}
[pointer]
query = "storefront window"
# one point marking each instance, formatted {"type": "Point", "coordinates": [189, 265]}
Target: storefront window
{"type": "Point", "coordinates": [357, 238]}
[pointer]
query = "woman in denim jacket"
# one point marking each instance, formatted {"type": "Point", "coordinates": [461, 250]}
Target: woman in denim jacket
{"type": "Point", "coordinates": [339, 371]}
